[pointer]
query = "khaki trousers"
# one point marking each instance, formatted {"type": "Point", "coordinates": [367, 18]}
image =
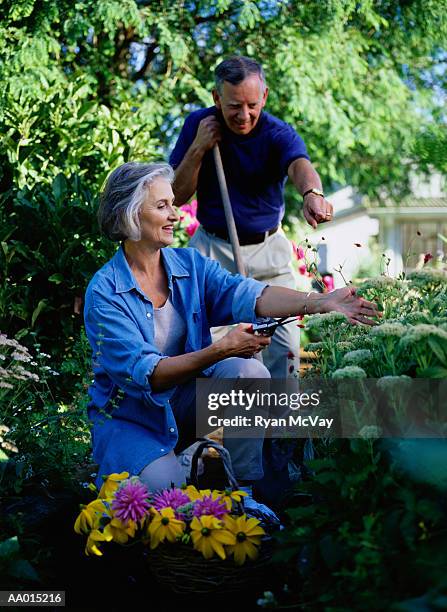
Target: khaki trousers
{"type": "Point", "coordinates": [269, 261]}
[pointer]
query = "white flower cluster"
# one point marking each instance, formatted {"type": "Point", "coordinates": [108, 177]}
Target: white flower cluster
{"type": "Point", "coordinates": [357, 357]}
{"type": "Point", "coordinates": [387, 384]}
{"type": "Point", "coordinates": [381, 283]}
{"type": "Point", "coordinates": [344, 346]}
{"type": "Point", "coordinates": [13, 355]}
{"type": "Point", "coordinates": [7, 444]}
{"type": "Point", "coordinates": [370, 432]}
{"type": "Point", "coordinates": [396, 330]}
{"type": "Point", "coordinates": [421, 333]}
{"type": "Point", "coordinates": [427, 277]}
{"type": "Point", "coordinates": [349, 372]}
{"type": "Point", "coordinates": [325, 320]}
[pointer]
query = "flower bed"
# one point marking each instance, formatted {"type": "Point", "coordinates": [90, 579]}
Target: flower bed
{"type": "Point", "coordinates": [411, 339]}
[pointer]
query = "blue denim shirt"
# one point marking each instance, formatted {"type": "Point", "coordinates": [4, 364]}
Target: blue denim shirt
{"type": "Point", "coordinates": [119, 324]}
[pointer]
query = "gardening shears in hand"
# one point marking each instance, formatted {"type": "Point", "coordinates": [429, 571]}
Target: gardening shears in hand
{"type": "Point", "coordinates": [268, 327]}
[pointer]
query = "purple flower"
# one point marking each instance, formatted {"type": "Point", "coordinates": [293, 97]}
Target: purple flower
{"type": "Point", "coordinates": [169, 498]}
{"type": "Point", "coordinates": [210, 506]}
{"type": "Point", "coordinates": [131, 501]}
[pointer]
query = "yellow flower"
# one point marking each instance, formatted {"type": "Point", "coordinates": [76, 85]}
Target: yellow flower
{"type": "Point", "coordinates": [164, 526]}
{"type": "Point", "coordinates": [194, 493]}
{"type": "Point", "coordinates": [120, 531]}
{"type": "Point", "coordinates": [208, 536]}
{"type": "Point", "coordinates": [89, 516]}
{"type": "Point", "coordinates": [111, 484]}
{"type": "Point", "coordinates": [247, 534]}
{"type": "Point", "coordinates": [229, 496]}
{"type": "Point", "coordinates": [94, 537]}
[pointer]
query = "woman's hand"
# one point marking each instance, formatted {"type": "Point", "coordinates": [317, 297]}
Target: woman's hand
{"type": "Point", "coordinates": [357, 309]}
{"type": "Point", "coordinates": [241, 342]}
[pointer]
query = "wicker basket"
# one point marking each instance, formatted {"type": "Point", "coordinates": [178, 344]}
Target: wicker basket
{"type": "Point", "coordinates": [183, 570]}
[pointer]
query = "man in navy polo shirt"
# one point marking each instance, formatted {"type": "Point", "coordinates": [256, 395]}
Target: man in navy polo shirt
{"type": "Point", "coordinates": [259, 152]}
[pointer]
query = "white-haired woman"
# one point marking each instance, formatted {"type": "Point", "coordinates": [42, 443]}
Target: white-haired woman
{"type": "Point", "coordinates": [148, 313]}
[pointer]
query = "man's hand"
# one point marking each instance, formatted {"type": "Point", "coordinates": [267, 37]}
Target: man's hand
{"type": "Point", "coordinates": [208, 133]}
{"type": "Point", "coordinates": [317, 209]}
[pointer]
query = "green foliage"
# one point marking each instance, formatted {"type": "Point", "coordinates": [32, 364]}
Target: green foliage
{"type": "Point", "coordinates": [50, 250]}
{"type": "Point", "coordinates": [367, 528]}
{"type": "Point", "coordinates": [46, 437]}
{"type": "Point", "coordinates": [410, 340]}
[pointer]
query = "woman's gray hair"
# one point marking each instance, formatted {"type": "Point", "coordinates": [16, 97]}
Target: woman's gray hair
{"type": "Point", "coordinates": [235, 69]}
{"type": "Point", "coordinates": [123, 196]}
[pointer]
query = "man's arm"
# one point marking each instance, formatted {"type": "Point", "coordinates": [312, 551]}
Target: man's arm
{"type": "Point", "coordinates": [316, 209]}
{"type": "Point", "coordinates": [187, 173]}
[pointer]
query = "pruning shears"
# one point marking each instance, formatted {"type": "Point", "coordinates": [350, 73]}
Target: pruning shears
{"type": "Point", "coordinates": [269, 327]}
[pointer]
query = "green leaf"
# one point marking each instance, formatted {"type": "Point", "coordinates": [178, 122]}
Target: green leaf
{"type": "Point", "coordinates": [59, 187]}
{"type": "Point", "coordinates": [36, 312]}
{"type": "Point", "coordinates": [432, 372]}
{"type": "Point", "coordinates": [22, 569]}
{"type": "Point", "coordinates": [437, 349]}
{"type": "Point", "coordinates": [9, 547]}
{"type": "Point", "coordinates": [56, 278]}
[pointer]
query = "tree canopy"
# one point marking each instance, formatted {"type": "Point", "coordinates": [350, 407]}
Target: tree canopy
{"type": "Point", "coordinates": [88, 85]}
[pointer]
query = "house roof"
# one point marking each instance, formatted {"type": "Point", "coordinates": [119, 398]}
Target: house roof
{"type": "Point", "coordinates": [411, 202]}
{"type": "Point", "coordinates": [411, 208]}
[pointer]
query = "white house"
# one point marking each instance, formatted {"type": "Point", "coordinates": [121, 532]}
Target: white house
{"type": "Point", "coordinates": [404, 231]}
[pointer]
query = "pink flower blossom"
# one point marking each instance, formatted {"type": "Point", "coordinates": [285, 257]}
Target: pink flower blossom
{"type": "Point", "coordinates": [298, 251]}
{"type": "Point", "coordinates": [191, 228]}
{"type": "Point", "coordinates": [131, 501]}
{"type": "Point", "coordinates": [190, 209]}
{"type": "Point", "coordinates": [328, 282]}
{"type": "Point", "coordinates": [169, 498]}
{"type": "Point", "coordinates": [302, 269]}
{"type": "Point", "coordinates": [210, 506]}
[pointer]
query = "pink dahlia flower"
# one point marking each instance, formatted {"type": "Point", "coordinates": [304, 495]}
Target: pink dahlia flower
{"type": "Point", "coordinates": [210, 506]}
{"type": "Point", "coordinates": [169, 498]}
{"type": "Point", "coordinates": [131, 501]}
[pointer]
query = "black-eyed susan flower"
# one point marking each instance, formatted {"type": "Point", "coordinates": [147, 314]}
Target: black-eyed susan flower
{"type": "Point", "coordinates": [120, 531]}
{"type": "Point", "coordinates": [247, 533]}
{"type": "Point", "coordinates": [208, 536]}
{"type": "Point", "coordinates": [94, 537]}
{"type": "Point", "coordinates": [111, 484]}
{"type": "Point", "coordinates": [229, 496]}
{"type": "Point", "coordinates": [90, 515]}
{"type": "Point", "coordinates": [164, 526]}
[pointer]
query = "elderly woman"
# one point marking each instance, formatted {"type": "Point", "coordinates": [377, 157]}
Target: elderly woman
{"type": "Point", "coordinates": [148, 313]}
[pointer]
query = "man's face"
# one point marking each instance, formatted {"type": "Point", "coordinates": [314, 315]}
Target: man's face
{"type": "Point", "coordinates": [241, 105]}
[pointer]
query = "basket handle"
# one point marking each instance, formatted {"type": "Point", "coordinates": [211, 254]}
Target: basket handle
{"type": "Point", "coordinates": [226, 460]}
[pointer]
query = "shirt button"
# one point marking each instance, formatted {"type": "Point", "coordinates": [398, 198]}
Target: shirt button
{"type": "Point", "coordinates": [162, 450]}
{"type": "Point", "coordinates": [148, 314]}
{"type": "Point", "coordinates": [171, 429]}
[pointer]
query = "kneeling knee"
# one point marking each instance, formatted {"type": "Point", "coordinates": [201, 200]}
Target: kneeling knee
{"type": "Point", "coordinates": [252, 368]}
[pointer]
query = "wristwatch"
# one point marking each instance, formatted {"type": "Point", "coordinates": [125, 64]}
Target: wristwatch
{"type": "Point", "coordinates": [315, 191]}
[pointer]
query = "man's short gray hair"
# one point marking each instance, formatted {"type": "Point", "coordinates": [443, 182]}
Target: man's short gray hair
{"type": "Point", "coordinates": [123, 197]}
{"type": "Point", "coordinates": [235, 69]}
